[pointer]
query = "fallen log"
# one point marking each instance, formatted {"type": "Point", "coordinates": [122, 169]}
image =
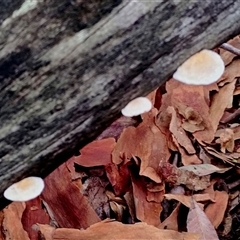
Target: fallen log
{"type": "Point", "coordinates": [68, 67]}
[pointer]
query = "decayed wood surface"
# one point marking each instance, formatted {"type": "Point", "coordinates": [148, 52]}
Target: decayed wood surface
{"type": "Point", "coordinates": [68, 67]}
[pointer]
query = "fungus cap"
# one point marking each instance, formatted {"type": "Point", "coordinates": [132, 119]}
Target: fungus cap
{"type": "Point", "coordinates": [24, 190]}
{"type": "Point", "coordinates": [137, 106]}
{"type": "Point", "coordinates": [203, 68]}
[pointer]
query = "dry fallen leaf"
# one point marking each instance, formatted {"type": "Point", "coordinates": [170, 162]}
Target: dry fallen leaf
{"type": "Point", "coordinates": [178, 132]}
{"type": "Point", "coordinates": [187, 200]}
{"type": "Point", "coordinates": [220, 101]}
{"type": "Point", "coordinates": [192, 181]}
{"type": "Point", "coordinates": [96, 153]}
{"type": "Point", "coordinates": [231, 72]}
{"type": "Point", "coordinates": [34, 213]}
{"type": "Point", "coordinates": [191, 104]}
{"type": "Point", "coordinates": [94, 188]}
{"type": "Point", "coordinates": [187, 159]}
{"type": "Point", "coordinates": [171, 222]}
{"type": "Point", "coordinates": [146, 211]}
{"type": "Point", "coordinates": [107, 230]}
{"type": "Point", "coordinates": [66, 201]}
{"type": "Point", "coordinates": [204, 169]}
{"type": "Point", "coordinates": [12, 225]}
{"type": "Point", "coordinates": [146, 142]}
{"type": "Point", "coordinates": [198, 222]}
{"type": "Point", "coordinates": [215, 211]}
{"type": "Point", "coordinates": [119, 177]}
{"type": "Point", "coordinates": [226, 140]}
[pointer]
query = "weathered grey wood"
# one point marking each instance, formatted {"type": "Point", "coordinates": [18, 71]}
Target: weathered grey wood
{"type": "Point", "coordinates": [68, 67]}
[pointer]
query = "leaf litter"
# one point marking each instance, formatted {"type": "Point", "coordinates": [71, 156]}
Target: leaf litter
{"type": "Point", "coordinates": [172, 173]}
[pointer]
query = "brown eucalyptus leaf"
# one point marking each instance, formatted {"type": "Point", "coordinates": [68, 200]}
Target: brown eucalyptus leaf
{"type": "Point", "coordinates": [231, 72]}
{"type": "Point", "coordinates": [119, 178]}
{"type": "Point", "coordinates": [204, 169]}
{"type": "Point", "coordinates": [66, 201]}
{"type": "Point", "coordinates": [12, 225]}
{"type": "Point", "coordinates": [34, 213]}
{"type": "Point", "coordinates": [191, 104]}
{"type": "Point", "coordinates": [226, 140]}
{"type": "Point", "coordinates": [198, 222]}
{"type": "Point", "coordinates": [146, 142]}
{"type": "Point", "coordinates": [187, 200]}
{"type": "Point", "coordinates": [171, 222]}
{"type": "Point", "coordinates": [107, 230]}
{"type": "Point", "coordinates": [96, 153]}
{"type": "Point", "coordinates": [178, 132]}
{"type": "Point", "coordinates": [215, 211]}
{"type": "Point", "coordinates": [192, 181]}
{"type": "Point", "coordinates": [146, 211]}
{"type": "Point", "coordinates": [220, 101]}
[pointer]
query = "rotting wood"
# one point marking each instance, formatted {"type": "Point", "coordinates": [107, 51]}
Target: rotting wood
{"type": "Point", "coordinates": [68, 67]}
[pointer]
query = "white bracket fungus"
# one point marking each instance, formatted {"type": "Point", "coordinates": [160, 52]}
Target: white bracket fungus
{"type": "Point", "coordinates": [24, 190]}
{"type": "Point", "coordinates": [203, 68]}
{"type": "Point", "coordinates": [137, 106]}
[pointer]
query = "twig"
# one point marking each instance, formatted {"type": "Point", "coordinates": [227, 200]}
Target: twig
{"type": "Point", "coordinates": [232, 117]}
{"type": "Point", "coordinates": [230, 48]}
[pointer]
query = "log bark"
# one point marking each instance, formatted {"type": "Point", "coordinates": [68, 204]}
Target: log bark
{"type": "Point", "coordinates": [68, 67]}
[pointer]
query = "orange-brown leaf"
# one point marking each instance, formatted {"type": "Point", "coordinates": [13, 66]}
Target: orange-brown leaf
{"type": "Point", "coordinates": [96, 153]}
{"type": "Point", "coordinates": [12, 225]}
{"type": "Point", "coordinates": [107, 230]}
{"type": "Point", "coordinates": [198, 222]}
{"type": "Point", "coordinates": [69, 206]}
{"type": "Point", "coordinates": [146, 142]}
{"type": "Point", "coordinates": [34, 213]}
{"type": "Point", "coordinates": [215, 211]}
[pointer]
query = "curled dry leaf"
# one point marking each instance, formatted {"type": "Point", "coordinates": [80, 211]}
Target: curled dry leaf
{"type": "Point", "coordinates": [146, 142]}
{"type": "Point", "coordinates": [12, 225]}
{"type": "Point", "coordinates": [220, 101]}
{"type": "Point", "coordinates": [215, 211]}
{"type": "Point", "coordinates": [155, 192]}
{"type": "Point", "coordinates": [187, 200]}
{"type": "Point", "coordinates": [231, 72]}
{"type": "Point", "coordinates": [119, 178]}
{"type": "Point", "coordinates": [155, 97]}
{"type": "Point", "coordinates": [116, 128]}
{"type": "Point", "coordinates": [190, 102]}
{"type": "Point", "coordinates": [171, 222]}
{"type": "Point", "coordinates": [226, 140]}
{"type": "Point", "coordinates": [96, 153]}
{"type": "Point", "coordinates": [198, 222]}
{"type": "Point", "coordinates": [115, 230]}
{"type": "Point", "coordinates": [178, 132]}
{"type": "Point", "coordinates": [204, 169]}
{"type": "Point", "coordinates": [118, 210]}
{"type": "Point", "coordinates": [234, 128]}
{"type": "Point", "coordinates": [131, 206]}
{"type": "Point", "coordinates": [186, 158]}
{"type": "Point", "coordinates": [34, 213]}
{"type": "Point", "coordinates": [94, 189]}
{"type": "Point", "coordinates": [192, 181]}
{"type": "Point", "coordinates": [210, 190]}
{"type": "Point", "coordinates": [67, 193]}
{"type": "Point", "coordinates": [146, 211]}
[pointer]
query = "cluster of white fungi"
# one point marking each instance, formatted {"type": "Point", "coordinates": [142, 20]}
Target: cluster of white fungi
{"type": "Point", "coordinates": [203, 68]}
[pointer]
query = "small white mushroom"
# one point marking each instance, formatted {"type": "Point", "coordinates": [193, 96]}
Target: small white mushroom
{"type": "Point", "coordinates": [203, 68]}
{"type": "Point", "coordinates": [24, 190]}
{"type": "Point", "coordinates": [137, 106]}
